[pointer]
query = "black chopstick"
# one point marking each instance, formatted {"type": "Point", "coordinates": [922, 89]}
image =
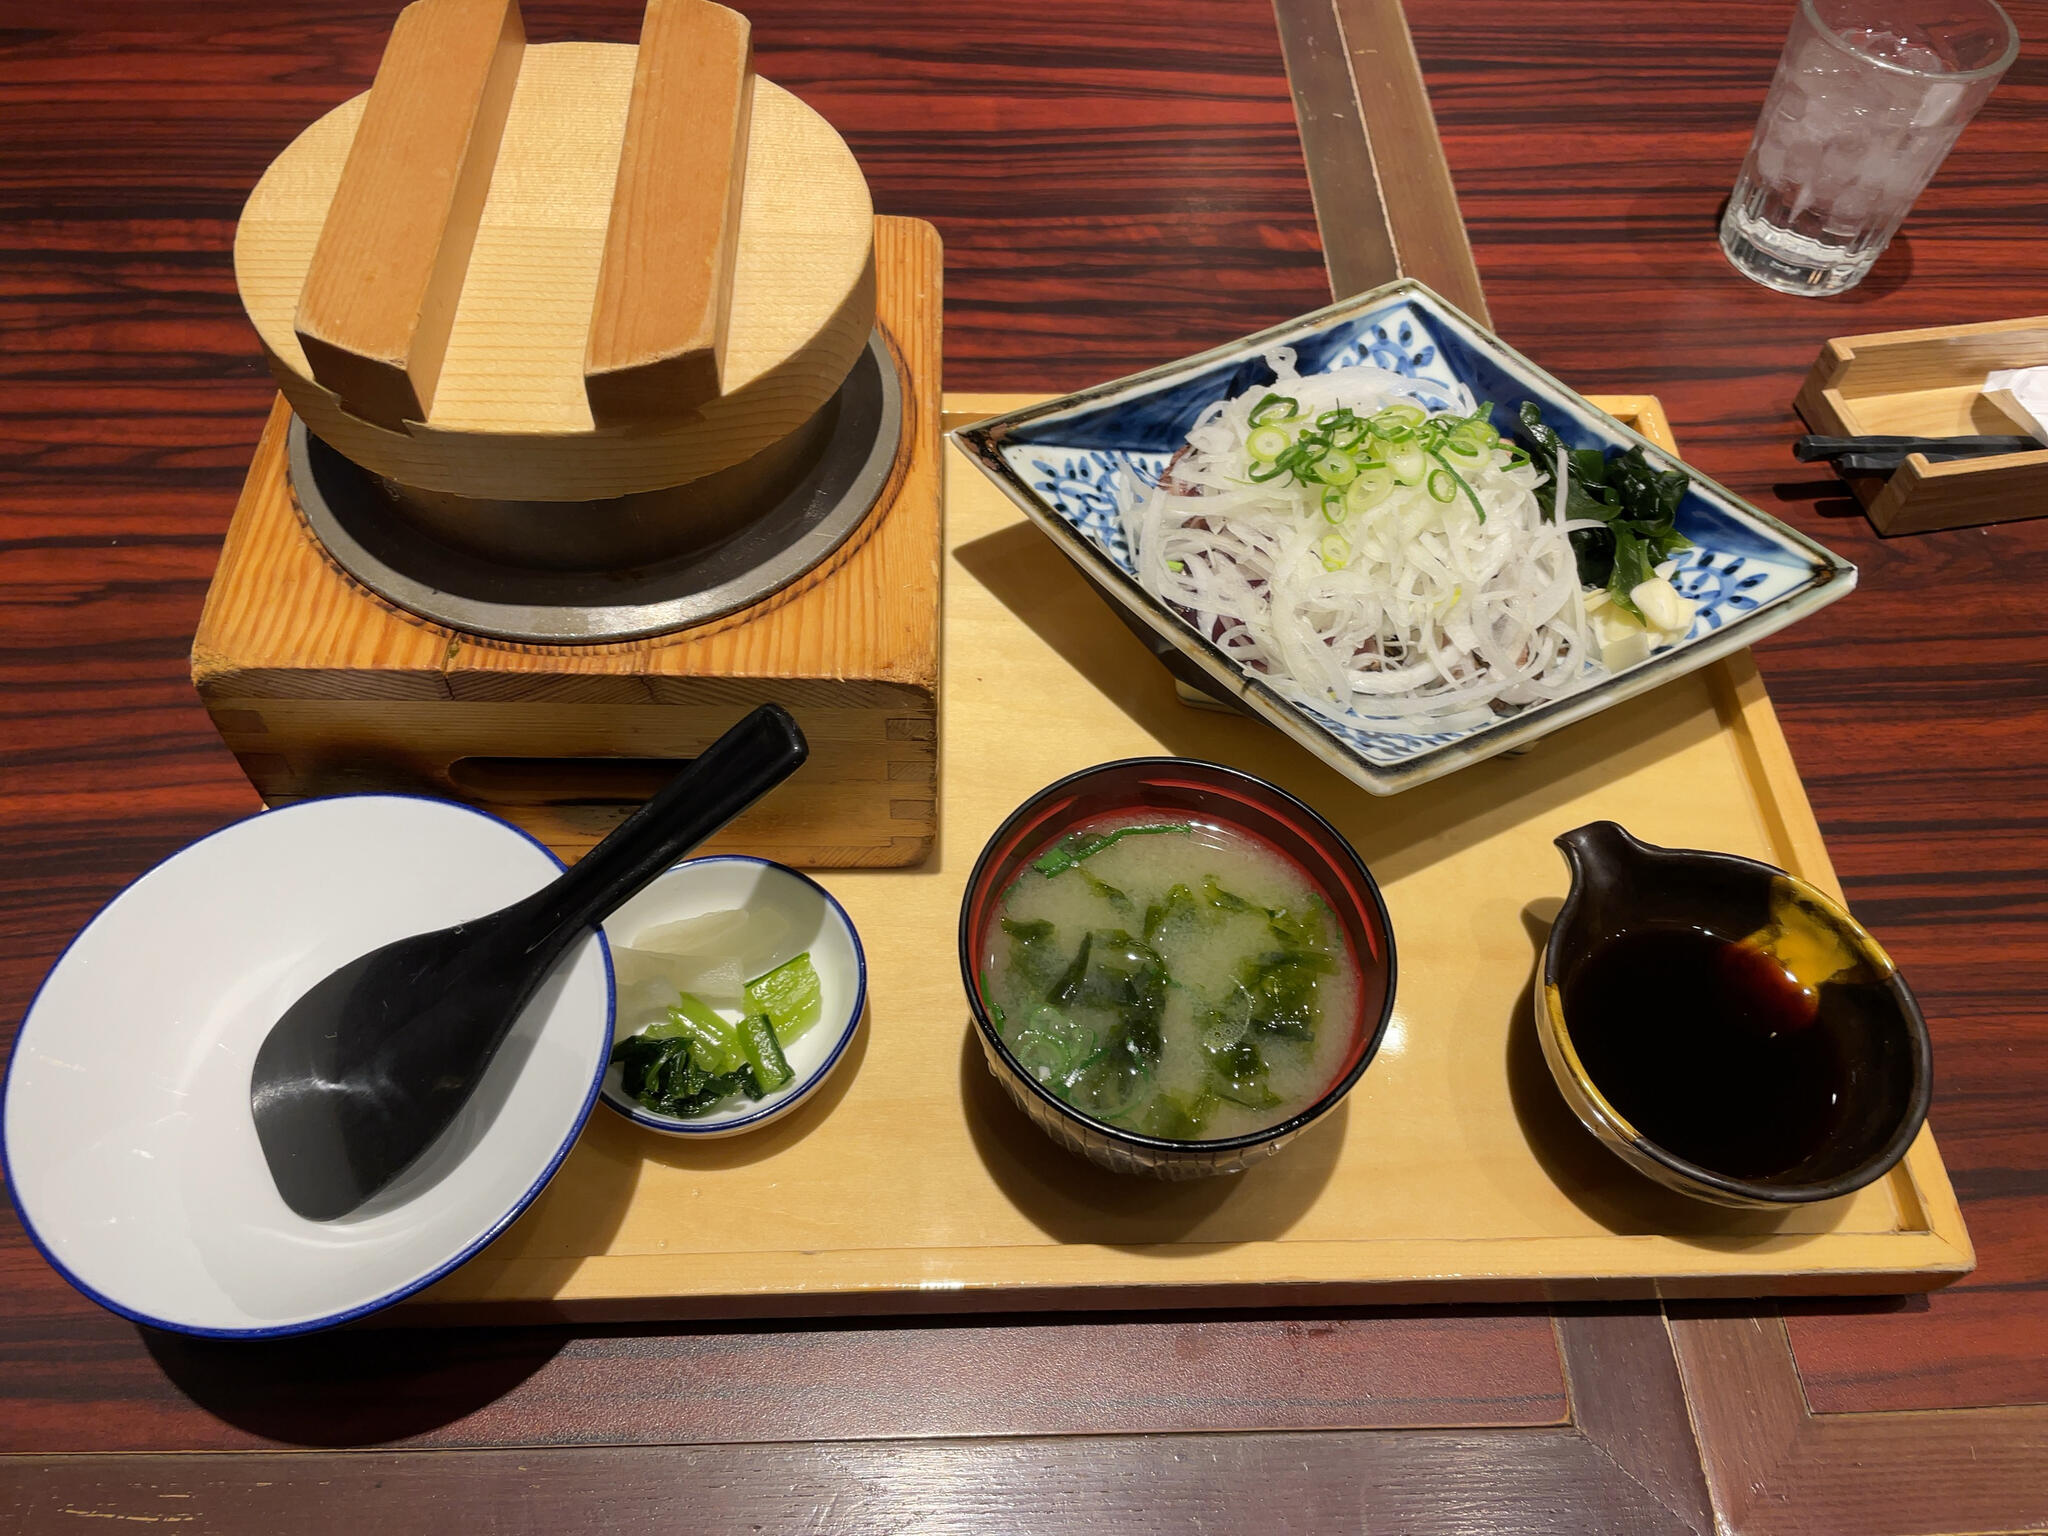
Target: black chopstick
{"type": "Point", "coordinates": [1812, 447]}
{"type": "Point", "coordinates": [1885, 463]}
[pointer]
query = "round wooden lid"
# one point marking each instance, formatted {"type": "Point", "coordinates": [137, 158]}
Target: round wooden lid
{"type": "Point", "coordinates": [510, 413]}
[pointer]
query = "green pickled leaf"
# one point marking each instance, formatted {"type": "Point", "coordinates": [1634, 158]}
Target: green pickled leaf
{"type": "Point", "coordinates": [790, 995]}
{"type": "Point", "coordinates": [714, 1041]}
{"type": "Point", "coordinates": [770, 1069]}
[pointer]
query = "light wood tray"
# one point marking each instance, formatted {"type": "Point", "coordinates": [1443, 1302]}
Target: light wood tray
{"type": "Point", "coordinates": [1453, 1170]}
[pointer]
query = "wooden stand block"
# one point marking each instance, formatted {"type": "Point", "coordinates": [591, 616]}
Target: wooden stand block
{"type": "Point", "coordinates": [320, 687]}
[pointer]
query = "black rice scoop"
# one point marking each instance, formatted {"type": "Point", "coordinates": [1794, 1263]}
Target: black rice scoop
{"type": "Point", "coordinates": [365, 1071]}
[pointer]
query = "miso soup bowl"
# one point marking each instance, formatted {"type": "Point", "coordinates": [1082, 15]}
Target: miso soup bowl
{"type": "Point", "coordinates": [1181, 787]}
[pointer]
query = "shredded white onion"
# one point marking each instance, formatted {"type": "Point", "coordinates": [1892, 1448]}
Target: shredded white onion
{"type": "Point", "coordinates": [1430, 615]}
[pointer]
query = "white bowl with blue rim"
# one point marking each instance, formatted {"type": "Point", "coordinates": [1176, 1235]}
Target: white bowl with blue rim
{"type": "Point", "coordinates": [1077, 464]}
{"type": "Point", "coordinates": [814, 924]}
{"type": "Point", "coordinates": [129, 1147]}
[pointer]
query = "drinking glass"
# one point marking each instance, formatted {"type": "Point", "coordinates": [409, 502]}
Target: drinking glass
{"type": "Point", "coordinates": [1868, 98]}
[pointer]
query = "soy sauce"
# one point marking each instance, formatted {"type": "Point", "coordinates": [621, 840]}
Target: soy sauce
{"type": "Point", "coordinates": [1709, 1048]}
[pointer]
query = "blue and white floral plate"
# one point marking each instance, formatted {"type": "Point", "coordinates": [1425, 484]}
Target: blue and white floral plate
{"type": "Point", "coordinates": [1075, 463]}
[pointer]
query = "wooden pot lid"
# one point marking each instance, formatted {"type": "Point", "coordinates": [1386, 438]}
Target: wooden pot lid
{"type": "Point", "coordinates": [547, 314]}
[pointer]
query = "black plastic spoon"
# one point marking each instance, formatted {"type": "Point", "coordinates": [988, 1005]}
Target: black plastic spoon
{"type": "Point", "coordinates": [370, 1066]}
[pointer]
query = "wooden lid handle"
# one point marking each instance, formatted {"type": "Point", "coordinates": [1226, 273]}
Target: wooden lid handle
{"type": "Point", "coordinates": [379, 299]}
{"type": "Point", "coordinates": [664, 290]}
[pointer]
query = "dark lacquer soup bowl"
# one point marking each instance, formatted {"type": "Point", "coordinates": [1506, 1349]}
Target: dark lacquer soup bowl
{"type": "Point", "coordinates": [1293, 838]}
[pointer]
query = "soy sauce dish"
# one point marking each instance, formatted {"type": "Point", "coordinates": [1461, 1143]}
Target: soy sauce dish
{"type": "Point", "coordinates": [1174, 968]}
{"type": "Point", "coordinates": [1725, 1028]}
{"type": "Point", "coordinates": [735, 955]}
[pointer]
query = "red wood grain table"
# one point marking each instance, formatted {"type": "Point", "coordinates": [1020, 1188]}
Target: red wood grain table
{"type": "Point", "coordinates": [1117, 186]}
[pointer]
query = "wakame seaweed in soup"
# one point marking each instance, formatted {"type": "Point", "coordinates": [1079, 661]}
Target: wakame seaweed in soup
{"type": "Point", "coordinates": [1173, 978]}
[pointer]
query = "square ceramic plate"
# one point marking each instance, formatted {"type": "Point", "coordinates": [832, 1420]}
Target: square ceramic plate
{"type": "Point", "coordinates": [1075, 464]}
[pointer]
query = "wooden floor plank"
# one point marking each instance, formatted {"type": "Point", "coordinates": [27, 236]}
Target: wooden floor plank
{"type": "Point", "coordinates": [78, 1383]}
{"type": "Point", "coordinates": [1531, 1482]}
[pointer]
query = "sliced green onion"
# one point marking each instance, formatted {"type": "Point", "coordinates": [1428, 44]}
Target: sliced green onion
{"type": "Point", "coordinates": [1470, 494]}
{"type": "Point", "coordinates": [1262, 470]}
{"type": "Point", "coordinates": [1335, 468]}
{"type": "Point", "coordinates": [1374, 484]}
{"type": "Point", "coordinates": [1275, 408]}
{"type": "Point", "coordinates": [1334, 550]}
{"type": "Point", "coordinates": [1442, 485]}
{"type": "Point", "coordinates": [1268, 442]}
{"type": "Point", "coordinates": [1407, 462]}
{"type": "Point", "coordinates": [1472, 438]}
{"type": "Point", "coordinates": [1333, 504]}
{"type": "Point", "coordinates": [1401, 414]}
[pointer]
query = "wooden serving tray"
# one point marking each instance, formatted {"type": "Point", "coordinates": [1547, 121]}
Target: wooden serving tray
{"type": "Point", "coordinates": [1453, 1170]}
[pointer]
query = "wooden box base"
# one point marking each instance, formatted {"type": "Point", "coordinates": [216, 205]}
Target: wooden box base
{"type": "Point", "coordinates": [1931, 384]}
{"type": "Point", "coordinates": [320, 687]}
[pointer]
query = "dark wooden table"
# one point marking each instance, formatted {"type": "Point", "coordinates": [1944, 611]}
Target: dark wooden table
{"type": "Point", "coordinates": [1117, 185]}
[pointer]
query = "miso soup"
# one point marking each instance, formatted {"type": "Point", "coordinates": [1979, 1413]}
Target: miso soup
{"type": "Point", "coordinates": [1173, 978]}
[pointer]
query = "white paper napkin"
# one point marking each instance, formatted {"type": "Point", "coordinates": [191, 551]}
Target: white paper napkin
{"type": "Point", "coordinates": [2022, 393]}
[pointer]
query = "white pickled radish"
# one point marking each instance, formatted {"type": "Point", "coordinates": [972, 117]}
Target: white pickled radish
{"type": "Point", "coordinates": [750, 936]}
{"type": "Point", "coordinates": [650, 979]}
{"type": "Point", "coordinates": [704, 934]}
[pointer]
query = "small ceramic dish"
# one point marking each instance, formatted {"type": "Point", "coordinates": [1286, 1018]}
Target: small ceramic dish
{"type": "Point", "coordinates": [1206, 792]}
{"type": "Point", "coordinates": [1077, 464]}
{"type": "Point", "coordinates": [1806, 1090]}
{"type": "Point", "coordinates": [816, 924]}
{"type": "Point", "coordinates": [129, 1146]}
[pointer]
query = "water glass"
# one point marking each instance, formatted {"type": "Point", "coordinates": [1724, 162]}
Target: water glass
{"type": "Point", "coordinates": [1868, 98]}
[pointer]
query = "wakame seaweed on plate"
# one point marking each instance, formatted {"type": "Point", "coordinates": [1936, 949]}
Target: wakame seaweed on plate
{"type": "Point", "coordinates": [1635, 501]}
{"type": "Point", "coordinates": [1192, 987]}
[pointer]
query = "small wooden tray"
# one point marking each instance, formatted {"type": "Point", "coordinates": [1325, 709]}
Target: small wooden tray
{"type": "Point", "coordinates": [1453, 1171]}
{"type": "Point", "coordinates": [1930, 383]}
